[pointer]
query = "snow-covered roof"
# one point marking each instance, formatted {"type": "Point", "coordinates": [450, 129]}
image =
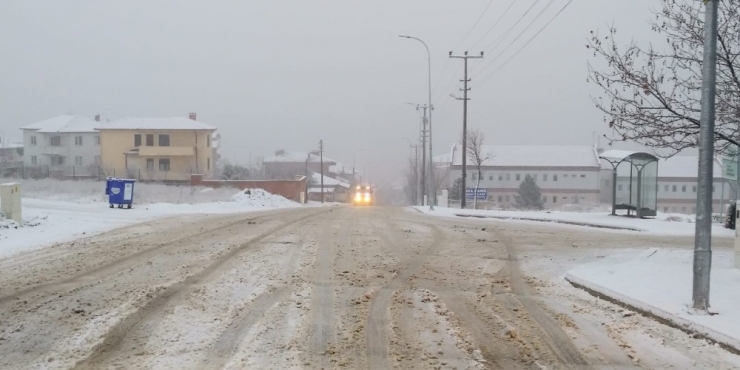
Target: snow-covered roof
{"type": "Point", "coordinates": [65, 123]}
{"type": "Point", "coordinates": [328, 181]}
{"type": "Point", "coordinates": [533, 156]}
{"type": "Point", "coordinates": [298, 156]}
{"type": "Point", "coordinates": [340, 169]}
{"type": "Point", "coordinates": [442, 158]}
{"type": "Point", "coordinates": [684, 166]}
{"type": "Point", "coordinates": [318, 190]}
{"type": "Point", "coordinates": [171, 123]}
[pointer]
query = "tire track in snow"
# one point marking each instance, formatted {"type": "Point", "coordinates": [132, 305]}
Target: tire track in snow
{"type": "Point", "coordinates": [378, 317]}
{"type": "Point", "coordinates": [95, 274]}
{"type": "Point", "coordinates": [116, 335]}
{"type": "Point", "coordinates": [322, 299]}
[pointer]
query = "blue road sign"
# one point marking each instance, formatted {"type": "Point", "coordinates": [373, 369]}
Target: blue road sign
{"type": "Point", "coordinates": [481, 195]}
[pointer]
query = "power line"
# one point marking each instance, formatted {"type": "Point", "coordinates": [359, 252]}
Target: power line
{"type": "Point", "coordinates": [474, 25]}
{"type": "Point", "coordinates": [495, 71]}
{"type": "Point", "coordinates": [494, 24]}
{"type": "Point", "coordinates": [526, 28]}
{"type": "Point", "coordinates": [498, 41]}
{"type": "Point", "coordinates": [447, 61]}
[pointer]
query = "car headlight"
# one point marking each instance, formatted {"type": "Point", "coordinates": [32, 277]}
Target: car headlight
{"type": "Point", "coordinates": [358, 197]}
{"type": "Point", "coordinates": [367, 197]}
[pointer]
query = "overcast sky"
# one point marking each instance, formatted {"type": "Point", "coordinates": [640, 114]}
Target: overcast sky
{"type": "Point", "coordinates": [284, 74]}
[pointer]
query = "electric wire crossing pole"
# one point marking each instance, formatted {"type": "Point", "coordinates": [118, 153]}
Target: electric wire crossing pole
{"type": "Point", "coordinates": [321, 154]}
{"type": "Point", "coordinates": [703, 236]}
{"type": "Point", "coordinates": [465, 99]}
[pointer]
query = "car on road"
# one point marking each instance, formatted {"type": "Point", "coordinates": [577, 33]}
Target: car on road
{"type": "Point", "coordinates": [363, 196]}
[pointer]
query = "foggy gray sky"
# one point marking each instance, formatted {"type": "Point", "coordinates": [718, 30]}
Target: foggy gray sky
{"type": "Point", "coordinates": [284, 74]}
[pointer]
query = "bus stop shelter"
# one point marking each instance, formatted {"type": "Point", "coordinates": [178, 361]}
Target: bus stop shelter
{"type": "Point", "coordinates": [634, 182]}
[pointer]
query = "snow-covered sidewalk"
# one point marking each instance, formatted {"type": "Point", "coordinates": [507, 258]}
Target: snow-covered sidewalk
{"type": "Point", "coordinates": [52, 221]}
{"type": "Point", "coordinates": [658, 225]}
{"type": "Point", "coordinates": [659, 282]}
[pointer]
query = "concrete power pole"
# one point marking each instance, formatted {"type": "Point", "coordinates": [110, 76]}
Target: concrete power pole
{"type": "Point", "coordinates": [465, 99]}
{"type": "Point", "coordinates": [703, 236]}
{"type": "Point", "coordinates": [321, 154]}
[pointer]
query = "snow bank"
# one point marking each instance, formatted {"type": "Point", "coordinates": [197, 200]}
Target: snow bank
{"type": "Point", "coordinates": [90, 191]}
{"type": "Point", "coordinates": [664, 224]}
{"type": "Point", "coordinates": [659, 282]}
{"type": "Point", "coordinates": [51, 221]}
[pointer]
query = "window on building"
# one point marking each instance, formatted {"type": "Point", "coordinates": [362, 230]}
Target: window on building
{"type": "Point", "coordinates": [33, 140]}
{"type": "Point", "coordinates": [554, 177]}
{"type": "Point", "coordinates": [565, 175]}
{"type": "Point", "coordinates": [490, 178]}
{"type": "Point", "coordinates": [137, 140]}
{"type": "Point", "coordinates": [78, 161]}
{"type": "Point", "coordinates": [150, 164]}
{"type": "Point", "coordinates": [208, 164]}
{"type": "Point", "coordinates": [507, 198]}
{"type": "Point", "coordinates": [56, 141]}
{"type": "Point", "coordinates": [534, 177]}
{"type": "Point", "coordinates": [544, 177]}
{"type": "Point", "coordinates": [518, 177]}
{"type": "Point", "coordinates": [149, 139]}
{"type": "Point", "coordinates": [666, 188]}
{"type": "Point", "coordinates": [33, 160]}
{"type": "Point", "coordinates": [97, 160]}
{"type": "Point", "coordinates": [208, 140]}
{"type": "Point", "coordinates": [693, 188]}
{"type": "Point", "coordinates": [674, 188]}
{"type": "Point", "coordinates": [164, 164]}
{"type": "Point", "coordinates": [544, 199]}
{"type": "Point", "coordinates": [164, 140]}
{"type": "Point", "coordinates": [583, 176]}
{"type": "Point", "coordinates": [500, 199]}
{"type": "Point", "coordinates": [508, 176]}
{"type": "Point", "coordinates": [555, 199]}
{"type": "Point", "coordinates": [57, 160]}
{"type": "Point", "coordinates": [500, 177]}
{"type": "Point", "coordinates": [78, 140]}
{"type": "Point", "coordinates": [683, 188]}
{"type": "Point", "coordinates": [97, 139]}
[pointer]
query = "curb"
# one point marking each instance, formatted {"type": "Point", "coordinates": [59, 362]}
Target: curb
{"type": "Point", "coordinates": [695, 330]}
{"type": "Point", "coordinates": [576, 223]}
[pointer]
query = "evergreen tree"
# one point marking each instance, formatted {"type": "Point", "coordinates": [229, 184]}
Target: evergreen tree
{"type": "Point", "coordinates": [454, 191]}
{"type": "Point", "coordinates": [530, 196]}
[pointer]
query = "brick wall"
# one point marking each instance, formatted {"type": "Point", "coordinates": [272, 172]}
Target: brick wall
{"type": "Point", "coordinates": [291, 189]}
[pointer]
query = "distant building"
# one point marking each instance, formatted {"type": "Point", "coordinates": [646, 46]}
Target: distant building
{"type": "Point", "coordinates": [66, 145]}
{"type": "Point", "coordinates": [565, 174]}
{"type": "Point", "coordinates": [677, 185]}
{"type": "Point", "coordinates": [288, 164]}
{"type": "Point", "coordinates": [335, 190]}
{"type": "Point", "coordinates": [157, 149]}
{"type": "Point", "coordinates": [11, 158]}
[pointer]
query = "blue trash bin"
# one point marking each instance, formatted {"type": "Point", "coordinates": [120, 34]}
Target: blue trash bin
{"type": "Point", "coordinates": [120, 192]}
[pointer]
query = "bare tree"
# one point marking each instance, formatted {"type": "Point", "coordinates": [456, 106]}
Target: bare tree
{"type": "Point", "coordinates": [477, 153]}
{"type": "Point", "coordinates": [652, 96]}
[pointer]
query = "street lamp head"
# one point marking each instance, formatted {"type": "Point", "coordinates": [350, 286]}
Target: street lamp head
{"type": "Point", "coordinates": [404, 36]}
{"type": "Point", "coordinates": [450, 53]}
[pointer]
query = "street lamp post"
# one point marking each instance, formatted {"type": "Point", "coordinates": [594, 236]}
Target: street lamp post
{"type": "Point", "coordinates": [432, 185]}
{"type": "Point", "coordinates": [414, 158]}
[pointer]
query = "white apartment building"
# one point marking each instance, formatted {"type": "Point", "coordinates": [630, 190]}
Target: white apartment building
{"type": "Point", "coordinates": [677, 182]}
{"type": "Point", "coordinates": [68, 145]}
{"type": "Point", "coordinates": [565, 174]}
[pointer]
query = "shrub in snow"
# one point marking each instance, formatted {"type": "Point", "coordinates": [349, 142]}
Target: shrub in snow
{"type": "Point", "coordinates": [530, 196]}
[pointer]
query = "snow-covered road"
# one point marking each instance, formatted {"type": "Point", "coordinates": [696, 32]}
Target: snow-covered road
{"type": "Point", "coordinates": [340, 287]}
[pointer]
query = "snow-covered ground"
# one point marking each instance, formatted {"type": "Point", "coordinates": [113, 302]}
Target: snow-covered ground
{"type": "Point", "coordinates": [664, 224]}
{"type": "Point", "coordinates": [660, 281]}
{"type": "Point", "coordinates": [61, 213]}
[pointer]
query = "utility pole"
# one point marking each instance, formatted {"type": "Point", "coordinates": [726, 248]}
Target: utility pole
{"type": "Point", "coordinates": [703, 236]}
{"type": "Point", "coordinates": [321, 153]}
{"type": "Point", "coordinates": [423, 154]}
{"type": "Point", "coordinates": [465, 99]}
